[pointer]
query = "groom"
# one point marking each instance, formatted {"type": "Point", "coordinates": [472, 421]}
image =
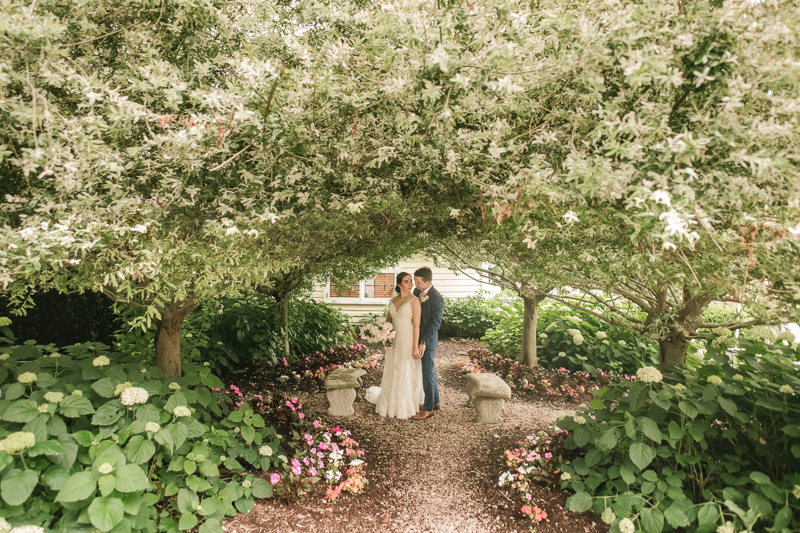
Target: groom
{"type": "Point", "coordinates": [432, 306]}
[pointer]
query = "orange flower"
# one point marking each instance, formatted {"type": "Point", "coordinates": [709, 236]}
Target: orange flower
{"type": "Point", "coordinates": [527, 510]}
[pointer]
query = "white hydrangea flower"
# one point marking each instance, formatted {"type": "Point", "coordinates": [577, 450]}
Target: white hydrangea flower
{"type": "Point", "coordinates": [551, 327]}
{"type": "Point", "coordinates": [182, 411]}
{"type": "Point", "coordinates": [785, 336]}
{"type": "Point", "coordinates": [222, 458]}
{"type": "Point", "coordinates": [563, 309]}
{"type": "Point", "coordinates": [134, 395]}
{"type": "Point", "coordinates": [727, 527]}
{"type": "Point", "coordinates": [205, 364]}
{"type": "Point", "coordinates": [266, 451]}
{"type": "Point", "coordinates": [649, 374]}
{"type": "Point", "coordinates": [626, 526]}
{"type": "Point", "coordinates": [562, 354]}
{"type": "Point", "coordinates": [3, 356]}
{"type": "Point", "coordinates": [566, 476]}
{"type": "Point", "coordinates": [54, 397]}
{"type": "Point", "coordinates": [16, 442]}
{"type": "Point", "coordinates": [283, 458]}
{"type": "Point", "coordinates": [572, 332]}
{"type": "Point", "coordinates": [152, 427]}
{"type": "Point", "coordinates": [786, 389]}
{"type": "Point", "coordinates": [738, 377]}
{"type": "Point", "coordinates": [105, 468]}
{"type": "Point", "coordinates": [247, 483]}
{"type": "Point", "coordinates": [578, 339]}
{"type": "Point", "coordinates": [77, 392]}
{"type": "Point", "coordinates": [680, 386]}
{"type": "Point", "coordinates": [608, 516]}
{"type": "Point", "coordinates": [542, 335]}
{"type": "Point", "coordinates": [715, 380]}
{"type": "Point", "coordinates": [27, 377]}
{"type": "Point", "coordinates": [601, 335]}
{"type": "Point", "coordinates": [622, 343]}
{"type": "Point", "coordinates": [42, 408]}
{"type": "Point", "coordinates": [5, 527]}
{"type": "Point", "coordinates": [119, 389]}
{"type": "Point", "coordinates": [27, 529]}
{"type": "Point", "coordinates": [174, 386]}
{"type": "Point", "coordinates": [101, 360]}
{"type": "Point", "coordinates": [606, 343]}
{"type": "Point", "coordinates": [55, 355]}
{"type": "Point", "coordinates": [580, 420]}
{"type": "Point", "coordinates": [236, 430]}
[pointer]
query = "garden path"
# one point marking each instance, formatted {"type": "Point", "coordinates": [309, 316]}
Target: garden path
{"type": "Point", "coordinates": [438, 475]}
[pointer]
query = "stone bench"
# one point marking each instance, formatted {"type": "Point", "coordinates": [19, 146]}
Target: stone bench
{"type": "Point", "coordinates": [487, 393]}
{"type": "Point", "coordinates": [341, 385]}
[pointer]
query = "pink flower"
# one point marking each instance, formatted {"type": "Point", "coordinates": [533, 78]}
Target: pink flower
{"type": "Point", "coordinates": [274, 478]}
{"type": "Point", "coordinates": [528, 497]}
{"type": "Point", "coordinates": [301, 415]}
{"type": "Point", "coordinates": [548, 455]}
{"type": "Point", "coordinates": [312, 471]}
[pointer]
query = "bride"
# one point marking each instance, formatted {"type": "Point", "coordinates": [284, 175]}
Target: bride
{"type": "Point", "coordinates": [401, 386]}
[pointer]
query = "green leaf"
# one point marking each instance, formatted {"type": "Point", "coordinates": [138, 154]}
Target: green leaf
{"type": "Point", "coordinates": [582, 436]}
{"type": "Point", "coordinates": [75, 406]}
{"type": "Point", "coordinates": [209, 469]}
{"type": "Point", "coordinates": [675, 431]}
{"type": "Point", "coordinates": [579, 502]}
{"type": "Point", "coordinates": [760, 478]}
{"type": "Point", "coordinates": [174, 401]}
{"type": "Point", "coordinates": [56, 426]}
{"type": "Point", "coordinates": [164, 438]}
{"type": "Point", "coordinates": [688, 409]}
{"type": "Point", "coordinates": [641, 454]}
{"type": "Point", "coordinates": [676, 517]}
{"type": "Point", "coordinates": [728, 405]}
{"type": "Point", "coordinates": [261, 488]}
{"type": "Point", "coordinates": [782, 519]}
{"type": "Point", "coordinates": [131, 478]}
{"type": "Point", "coordinates": [67, 458]}
{"type": "Point", "coordinates": [178, 432]}
{"type": "Point", "coordinates": [796, 450]}
{"type": "Point", "coordinates": [132, 503]}
{"type": "Point", "coordinates": [55, 477]}
{"type": "Point", "coordinates": [140, 450]}
{"type": "Point", "coordinates": [637, 396]}
{"type": "Point", "coordinates": [627, 475]}
{"type": "Point", "coordinates": [248, 434]}
{"type": "Point", "coordinates": [197, 484]}
{"type": "Point", "coordinates": [187, 521]}
{"type": "Point", "coordinates": [78, 487]}
{"type": "Point", "coordinates": [105, 513]}
{"type": "Point", "coordinates": [105, 387]}
{"type": "Point", "coordinates": [652, 520]}
{"type": "Point", "coordinates": [21, 411]}
{"type": "Point", "coordinates": [791, 430]}
{"type": "Point", "coordinates": [708, 515]}
{"type": "Point", "coordinates": [14, 391]}
{"type": "Point", "coordinates": [651, 430]}
{"type": "Point", "coordinates": [630, 428]}
{"type": "Point", "coordinates": [18, 485]}
{"type": "Point", "coordinates": [245, 505]}
{"type": "Point", "coordinates": [106, 484]}
{"type": "Point", "coordinates": [107, 414]}
{"type": "Point", "coordinates": [187, 501]}
{"type": "Point", "coordinates": [48, 447]}
{"type": "Point", "coordinates": [190, 467]}
{"type": "Point", "coordinates": [608, 439]}
{"type": "Point", "coordinates": [211, 526]}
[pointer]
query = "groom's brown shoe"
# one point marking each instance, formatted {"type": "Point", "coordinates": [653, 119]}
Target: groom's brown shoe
{"type": "Point", "coordinates": [435, 407]}
{"type": "Point", "coordinates": [423, 415]}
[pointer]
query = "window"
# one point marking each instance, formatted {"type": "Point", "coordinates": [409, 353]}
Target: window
{"type": "Point", "coordinates": [372, 290]}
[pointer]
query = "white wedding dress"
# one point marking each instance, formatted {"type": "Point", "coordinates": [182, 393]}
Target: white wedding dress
{"type": "Point", "coordinates": [401, 386]}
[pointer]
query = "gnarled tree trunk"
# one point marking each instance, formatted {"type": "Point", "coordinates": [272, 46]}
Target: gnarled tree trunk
{"type": "Point", "coordinates": [672, 349]}
{"type": "Point", "coordinates": [673, 344]}
{"type": "Point", "coordinates": [168, 336]}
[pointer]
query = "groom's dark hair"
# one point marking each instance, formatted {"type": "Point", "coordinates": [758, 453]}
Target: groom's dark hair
{"type": "Point", "coordinates": [425, 273]}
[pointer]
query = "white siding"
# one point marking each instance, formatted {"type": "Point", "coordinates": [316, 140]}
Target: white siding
{"type": "Point", "coordinates": [447, 282]}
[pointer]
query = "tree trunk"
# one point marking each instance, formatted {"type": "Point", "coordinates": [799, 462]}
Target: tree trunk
{"type": "Point", "coordinates": [168, 336]}
{"type": "Point", "coordinates": [529, 329]}
{"type": "Point", "coordinates": [672, 350]}
{"type": "Point", "coordinates": [283, 314]}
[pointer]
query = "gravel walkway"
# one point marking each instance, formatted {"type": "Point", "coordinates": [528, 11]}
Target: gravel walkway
{"type": "Point", "coordinates": [438, 475]}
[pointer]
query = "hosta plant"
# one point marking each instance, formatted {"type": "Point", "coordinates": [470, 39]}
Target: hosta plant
{"type": "Point", "coordinates": [710, 448]}
{"type": "Point", "coordinates": [89, 442]}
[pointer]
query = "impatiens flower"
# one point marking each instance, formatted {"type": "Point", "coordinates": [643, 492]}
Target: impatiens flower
{"type": "Point", "coordinates": [105, 468]}
{"type": "Point", "coordinates": [101, 360]}
{"type": "Point", "coordinates": [274, 478]}
{"type": "Point", "coordinates": [626, 526]}
{"type": "Point", "coordinates": [152, 427]}
{"type": "Point", "coordinates": [54, 397]}
{"type": "Point", "coordinates": [715, 380]}
{"type": "Point", "coordinates": [182, 411]}
{"type": "Point", "coordinates": [649, 374]}
{"type": "Point", "coordinates": [527, 509]}
{"type": "Point", "coordinates": [266, 451]}
{"type": "Point", "coordinates": [27, 377]}
{"type": "Point", "coordinates": [133, 395]}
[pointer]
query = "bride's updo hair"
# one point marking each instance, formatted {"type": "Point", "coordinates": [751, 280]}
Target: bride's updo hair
{"type": "Point", "coordinates": [398, 280]}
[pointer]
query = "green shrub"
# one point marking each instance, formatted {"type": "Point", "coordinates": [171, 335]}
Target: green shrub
{"type": "Point", "coordinates": [712, 448]}
{"type": "Point", "coordinates": [91, 440]}
{"type": "Point", "coordinates": [573, 340]}
{"type": "Point", "coordinates": [237, 334]}
{"type": "Point", "coordinates": [468, 317]}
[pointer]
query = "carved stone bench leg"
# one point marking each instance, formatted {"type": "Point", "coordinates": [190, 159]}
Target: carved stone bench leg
{"type": "Point", "coordinates": [341, 402]}
{"type": "Point", "coordinates": [488, 410]}
{"type": "Point", "coordinates": [471, 393]}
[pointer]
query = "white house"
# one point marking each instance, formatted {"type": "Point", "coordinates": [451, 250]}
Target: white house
{"type": "Point", "coordinates": [372, 295]}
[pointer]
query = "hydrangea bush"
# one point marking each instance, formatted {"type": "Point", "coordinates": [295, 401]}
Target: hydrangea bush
{"type": "Point", "coordinates": [89, 441]}
{"type": "Point", "coordinates": [712, 448]}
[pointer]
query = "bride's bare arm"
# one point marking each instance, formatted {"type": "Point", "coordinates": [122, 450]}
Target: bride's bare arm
{"type": "Point", "coordinates": [388, 313]}
{"type": "Point", "coordinates": [416, 313]}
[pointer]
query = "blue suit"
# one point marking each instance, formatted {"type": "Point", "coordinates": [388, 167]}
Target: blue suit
{"type": "Point", "coordinates": [430, 320]}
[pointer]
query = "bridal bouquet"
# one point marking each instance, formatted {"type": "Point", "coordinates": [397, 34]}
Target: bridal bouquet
{"type": "Point", "coordinates": [379, 331]}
